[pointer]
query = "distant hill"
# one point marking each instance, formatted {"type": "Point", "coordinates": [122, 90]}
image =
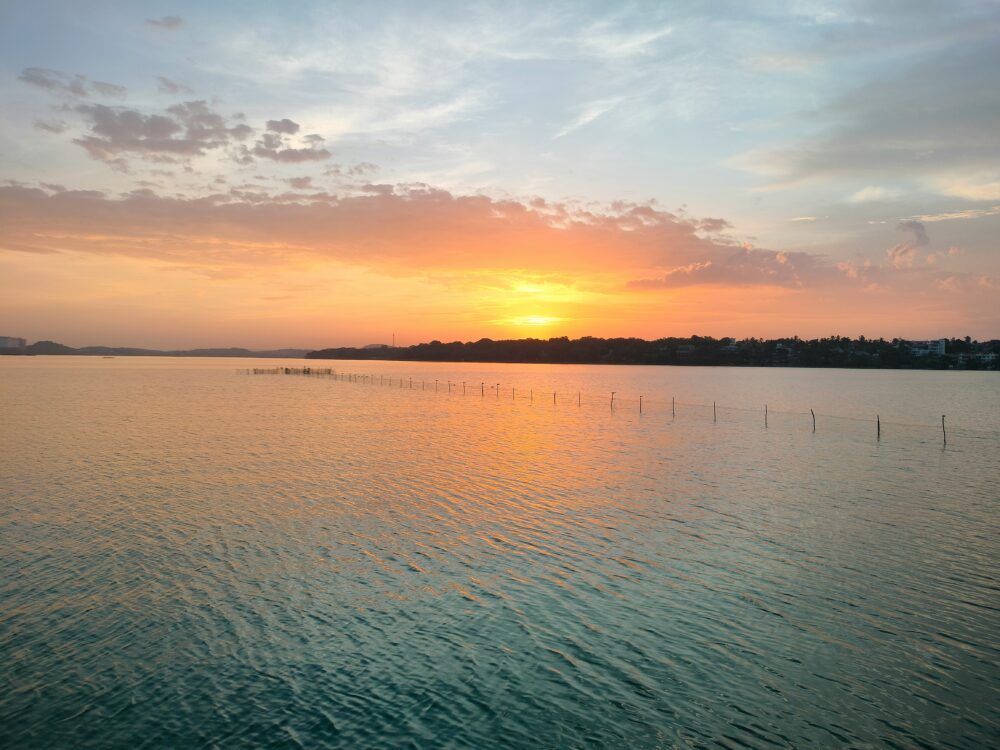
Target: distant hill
{"type": "Point", "coordinates": [51, 347]}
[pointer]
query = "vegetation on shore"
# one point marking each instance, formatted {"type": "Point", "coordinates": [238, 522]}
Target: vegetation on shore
{"type": "Point", "coordinates": [834, 351]}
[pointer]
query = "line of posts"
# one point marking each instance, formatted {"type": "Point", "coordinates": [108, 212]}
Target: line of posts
{"type": "Point", "coordinates": [513, 393]}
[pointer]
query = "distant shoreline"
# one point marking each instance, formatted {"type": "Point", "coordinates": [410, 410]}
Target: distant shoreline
{"type": "Point", "coordinates": [833, 352]}
{"type": "Point", "coordinates": [53, 348]}
{"type": "Point", "coordinates": [828, 353]}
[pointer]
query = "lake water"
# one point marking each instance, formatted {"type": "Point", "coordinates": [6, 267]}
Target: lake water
{"type": "Point", "coordinates": [193, 557]}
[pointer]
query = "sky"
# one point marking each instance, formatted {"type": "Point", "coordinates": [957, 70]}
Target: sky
{"type": "Point", "coordinates": [312, 174]}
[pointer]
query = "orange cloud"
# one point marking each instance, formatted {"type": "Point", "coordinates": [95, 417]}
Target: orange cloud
{"type": "Point", "coordinates": [401, 228]}
{"type": "Point", "coordinates": [327, 269]}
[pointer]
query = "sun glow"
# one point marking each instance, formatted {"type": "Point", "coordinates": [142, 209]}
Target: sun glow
{"type": "Point", "coordinates": [533, 320]}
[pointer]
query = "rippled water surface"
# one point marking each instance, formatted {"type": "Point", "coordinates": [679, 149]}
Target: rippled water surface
{"type": "Point", "coordinates": [197, 558]}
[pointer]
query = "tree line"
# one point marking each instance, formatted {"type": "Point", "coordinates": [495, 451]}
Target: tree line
{"type": "Point", "coordinates": [833, 351]}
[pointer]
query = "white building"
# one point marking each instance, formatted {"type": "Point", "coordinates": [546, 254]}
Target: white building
{"type": "Point", "coordinates": [928, 348]}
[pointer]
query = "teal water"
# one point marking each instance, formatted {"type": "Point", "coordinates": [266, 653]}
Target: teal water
{"type": "Point", "coordinates": [194, 558]}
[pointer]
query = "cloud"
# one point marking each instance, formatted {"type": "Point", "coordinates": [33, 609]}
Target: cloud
{"type": "Point", "coordinates": [109, 89]}
{"type": "Point", "coordinates": [361, 169]}
{"type": "Point", "coordinates": [916, 230]}
{"type": "Point", "coordinates": [933, 121]}
{"type": "Point", "coordinates": [589, 113]}
{"type": "Point", "coordinates": [167, 86]}
{"type": "Point", "coordinates": [971, 213]}
{"type": "Point", "coordinates": [51, 127]}
{"type": "Point", "coordinates": [201, 123]}
{"type": "Point", "coordinates": [902, 255]}
{"type": "Point", "coordinates": [905, 253]}
{"type": "Point", "coordinates": [187, 129]}
{"type": "Point", "coordinates": [167, 23]}
{"type": "Point", "coordinates": [609, 43]}
{"type": "Point", "coordinates": [275, 146]}
{"type": "Point", "coordinates": [747, 267]}
{"type": "Point", "coordinates": [283, 126]}
{"type": "Point", "coordinates": [796, 63]}
{"type": "Point", "coordinates": [466, 254]}
{"type": "Point", "coordinates": [975, 187]}
{"type": "Point", "coordinates": [713, 226]}
{"type": "Point", "coordinates": [871, 194]}
{"type": "Point", "coordinates": [66, 85]}
{"type": "Point", "coordinates": [402, 230]}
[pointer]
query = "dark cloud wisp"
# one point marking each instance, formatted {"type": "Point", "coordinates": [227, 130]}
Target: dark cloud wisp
{"type": "Point", "coordinates": [167, 86]}
{"type": "Point", "coordinates": [70, 85]}
{"type": "Point", "coordinates": [167, 23]}
{"type": "Point", "coordinates": [276, 147]}
{"type": "Point", "coordinates": [283, 125]}
{"type": "Point", "coordinates": [903, 254]}
{"type": "Point", "coordinates": [187, 129]}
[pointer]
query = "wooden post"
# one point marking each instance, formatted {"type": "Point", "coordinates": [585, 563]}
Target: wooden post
{"type": "Point", "coordinates": [482, 390]}
{"type": "Point", "coordinates": [435, 386]}
{"type": "Point", "coordinates": [498, 391]}
{"type": "Point", "coordinates": [531, 396]}
{"type": "Point", "coordinates": [673, 406]}
{"type": "Point", "coordinates": [814, 419]}
{"type": "Point", "coordinates": [463, 387]}
{"type": "Point", "coordinates": [765, 416]}
{"type": "Point", "coordinates": [511, 394]}
{"type": "Point", "coordinates": [612, 400]}
{"type": "Point", "coordinates": [553, 398]}
{"type": "Point", "coordinates": [640, 404]}
{"type": "Point", "coordinates": [944, 435]}
{"type": "Point", "coordinates": [578, 398]}
{"type": "Point", "coordinates": [714, 415]}
{"type": "Point", "coordinates": [878, 427]}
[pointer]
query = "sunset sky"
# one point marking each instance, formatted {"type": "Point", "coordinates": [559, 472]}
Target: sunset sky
{"type": "Point", "coordinates": [318, 174]}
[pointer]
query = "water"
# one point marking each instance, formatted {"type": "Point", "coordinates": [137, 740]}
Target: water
{"type": "Point", "coordinates": [195, 558]}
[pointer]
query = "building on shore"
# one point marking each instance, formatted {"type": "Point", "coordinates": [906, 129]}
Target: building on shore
{"type": "Point", "coordinates": [935, 348]}
{"type": "Point", "coordinates": [13, 343]}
